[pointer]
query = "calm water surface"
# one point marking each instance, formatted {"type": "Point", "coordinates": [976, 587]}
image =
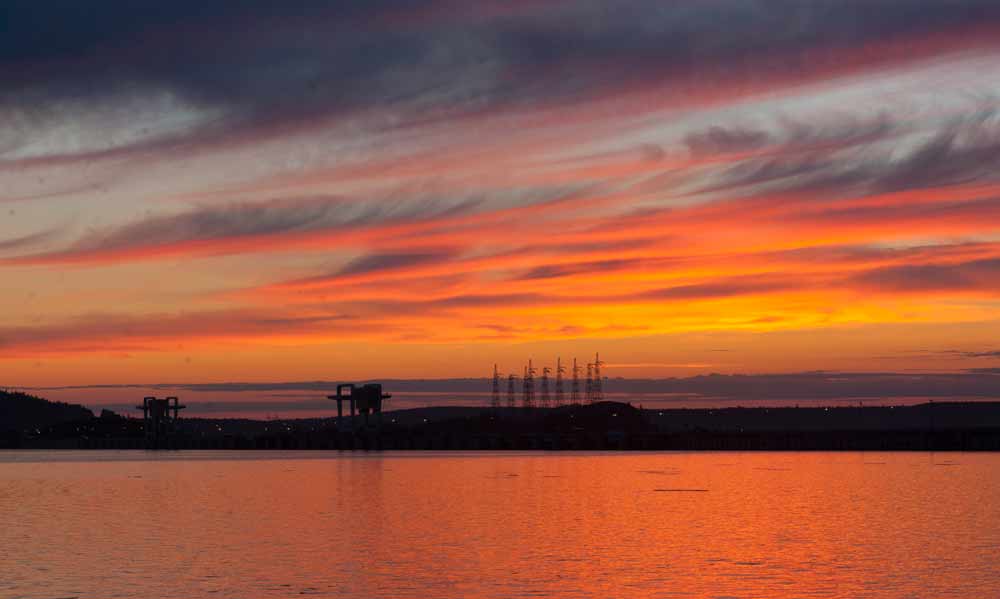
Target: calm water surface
{"type": "Point", "coordinates": [400, 525]}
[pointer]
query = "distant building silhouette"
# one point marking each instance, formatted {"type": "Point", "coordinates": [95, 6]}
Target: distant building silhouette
{"type": "Point", "coordinates": [157, 422]}
{"type": "Point", "coordinates": [364, 400]}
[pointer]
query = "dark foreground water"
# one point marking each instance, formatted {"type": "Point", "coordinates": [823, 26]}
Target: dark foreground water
{"type": "Point", "coordinates": [215, 524]}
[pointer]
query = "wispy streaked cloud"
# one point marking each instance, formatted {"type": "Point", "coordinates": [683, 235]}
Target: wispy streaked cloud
{"type": "Point", "coordinates": [29, 241]}
{"type": "Point", "coordinates": [977, 275]}
{"type": "Point", "coordinates": [142, 332]}
{"type": "Point", "coordinates": [490, 175]}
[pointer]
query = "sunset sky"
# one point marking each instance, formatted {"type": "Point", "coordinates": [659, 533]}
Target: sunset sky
{"type": "Point", "coordinates": [303, 190]}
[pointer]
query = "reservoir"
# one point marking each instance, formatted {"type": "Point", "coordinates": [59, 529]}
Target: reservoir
{"type": "Point", "coordinates": [103, 524]}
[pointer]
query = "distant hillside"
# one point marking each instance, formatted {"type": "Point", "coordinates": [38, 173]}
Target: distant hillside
{"type": "Point", "coordinates": [20, 411]}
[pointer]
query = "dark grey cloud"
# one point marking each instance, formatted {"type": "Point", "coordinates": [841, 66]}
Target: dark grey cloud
{"type": "Point", "coordinates": [503, 329]}
{"type": "Point", "coordinates": [473, 300]}
{"type": "Point", "coordinates": [380, 262]}
{"type": "Point", "coordinates": [790, 173]}
{"type": "Point", "coordinates": [958, 353]}
{"type": "Point", "coordinates": [107, 332]}
{"type": "Point", "coordinates": [978, 275]}
{"type": "Point", "coordinates": [954, 354]}
{"type": "Point", "coordinates": [218, 223]}
{"type": "Point", "coordinates": [296, 321]}
{"type": "Point", "coordinates": [54, 29]}
{"type": "Point", "coordinates": [719, 289]}
{"type": "Point", "coordinates": [968, 153]}
{"type": "Point", "coordinates": [843, 160]}
{"type": "Point", "coordinates": [375, 309]}
{"type": "Point", "coordinates": [723, 35]}
{"type": "Point", "coordinates": [825, 385]}
{"type": "Point", "coordinates": [811, 157]}
{"type": "Point", "coordinates": [955, 210]}
{"type": "Point", "coordinates": [860, 254]}
{"type": "Point", "coordinates": [720, 140]}
{"type": "Point", "coordinates": [214, 223]}
{"type": "Point", "coordinates": [29, 240]}
{"type": "Point", "coordinates": [262, 62]}
{"type": "Point", "coordinates": [227, 221]}
{"type": "Point", "coordinates": [552, 271]}
{"type": "Point", "coordinates": [716, 289]}
{"type": "Point", "coordinates": [722, 288]}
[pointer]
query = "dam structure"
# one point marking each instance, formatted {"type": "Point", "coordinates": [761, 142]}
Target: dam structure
{"type": "Point", "coordinates": [159, 425]}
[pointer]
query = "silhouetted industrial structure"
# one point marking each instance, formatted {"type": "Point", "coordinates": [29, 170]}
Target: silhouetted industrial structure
{"type": "Point", "coordinates": [158, 424]}
{"type": "Point", "coordinates": [366, 399]}
{"type": "Point", "coordinates": [589, 389]}
{"type": "Point", "coordinates": [931, 426]}
{"type": "Point", "coordinates": [598, 383]}
{"type": "Point", "coordinates": [574, 397]}
{"type": "Point", "coordinates": [529, 386]}
{"type": "Point", "coordinates": [560, 395]}
{"type": "Point", "coordinates": [594, 388]}
{"type": "Point", "coordinates": [546, 399]}
{"type": "Point", "coordinates": [495, 398]}
{"type": "Point", "coordinates": [511, 391]}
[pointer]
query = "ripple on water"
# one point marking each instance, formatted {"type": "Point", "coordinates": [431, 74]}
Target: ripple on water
{"type": "Point", "coordinates": [404, 526]}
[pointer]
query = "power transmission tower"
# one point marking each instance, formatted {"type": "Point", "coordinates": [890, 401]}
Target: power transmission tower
{"type": "Point", "coordinates": [590, 383]}
{"type": "Point", "coordinates": [598, 381]}
{"type": "Point", "coordinates": [546, 398]}
{"type": "Point", "coordinates": [574, 394]}
{"type": "Point", "coordinates": [511, 391]}
{"type": "Point", "coordinates": [495, 399]}
{"type": "Point", "coordinates": [529, 385]}
{"type": "Point", "coordinates": [560, 394]}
